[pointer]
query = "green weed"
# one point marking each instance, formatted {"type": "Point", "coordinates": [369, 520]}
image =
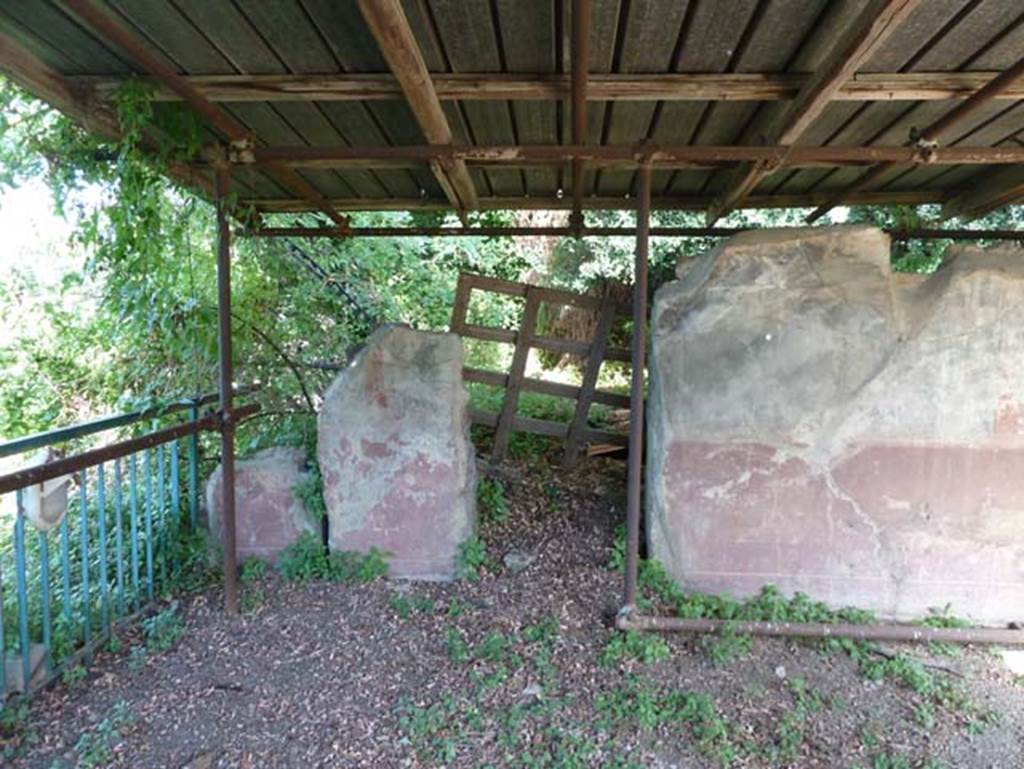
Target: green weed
{"type": "Point", "coordinates": [95, 747]}
{"type": "Point", "coordinates": [253, 570]}
{"type": "Point", "coordinates": [73, 675]}
{"type": "Point", "coordinates": [473, 560]}
{"type": "Point", "coordinates": [493, 506]}
{"type": "Point", "coordinates": [406, 606]}
{"type": "Point", "coordinates": [455, 645]}
{"type": "Point", "coordinates": [163, 629]}
{"type": "Point", "coordinates": [640, 704]}
{"type": "Point", "coordinates": [15, 733]}
{"type": "Point", "coordinates": [545, 631]}
{"type": "Point", "coordinates": [307, 559]}
{"type": "Point", "coordinates": [726, 646]}
{"type": "Point", "coordinates": [645, 647]}
{"type": "Point", "coordinates": [310, 490]}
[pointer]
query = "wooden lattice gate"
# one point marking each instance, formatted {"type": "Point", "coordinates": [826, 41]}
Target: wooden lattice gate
{"type": "Point", "coordinates": [595, 352]}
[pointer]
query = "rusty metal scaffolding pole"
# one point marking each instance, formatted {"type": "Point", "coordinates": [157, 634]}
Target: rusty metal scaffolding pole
{"type": "Point", "coordinates": [895, 633]}
{"type": "Point", "coordinates": [634, 480]}
{"type": "Point", "coordinates": [226, 374]}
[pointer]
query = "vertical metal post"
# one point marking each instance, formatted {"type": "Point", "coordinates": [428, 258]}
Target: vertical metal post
{"type": "Point", "coordinates": [636, 392]}
{"type": "Point", "coordinates": [21, 575]}
{"type": "Point", "coordinates": [193, 471]}
{"type": "Point", "coordinates": [83, 544]}
{"type": "Point", "coordinates": [101, 504]}
{"type": "Point", "coordinates": [119, 535]}
{"type": "Point", "coordinates": [227, 434]}
{"type": "Point", "coordinates": [44, 588]}
{"type": "Point", "coordinates": [133, 501]}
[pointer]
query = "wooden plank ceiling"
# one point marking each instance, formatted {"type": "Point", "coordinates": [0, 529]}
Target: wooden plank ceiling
{"type": "Point", "coordinates": [662, 73]}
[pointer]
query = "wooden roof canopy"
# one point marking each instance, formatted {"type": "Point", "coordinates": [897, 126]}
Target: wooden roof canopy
{"type": "Point", "coordinates": [529, 104]}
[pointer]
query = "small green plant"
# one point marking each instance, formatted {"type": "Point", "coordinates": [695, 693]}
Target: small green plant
{"type": "Point", "coordinates": [455, 646]}
{"type": "Point", "coordinates": [924, 715]}
{"type": "Point", "coordinates": [113, 644]}
{"type": "Point", "coordinates": [545, 631]}
{"type": "Point", "coordinates": [307, 559]}
{"type": "Point", "coordinates": [640, 704]}
{"type": "Point", "coordinates": [494, 648]}
{"type": "Point", "coordinates": [73, 675]}
{"type": "Point", "coordinates": [15, 734]}
{"type": "Point", "coordinates": [310, 490]}
{"type": "Point", "coordinates": [726, 646]}
{"type": "Point", "coordinates": [645, 647]}
{"type": "Point", "coordinates": [252, 570]}
{"type": "Point", "coordinates": [406, 606]}
{"type": "Point", "coordinates": [456, 608]}
{"type": "Point", "coordinates": [434, 730]}
{"type": "Point", "coordinates": [95, 747]}
{"type": "Point", "coordinates": [472, 559]}
{"type": "Point", "coordinates": [491, 501]}
{"type": "Point", "coordinates": [137, 657]}
{"type": "Point", "coordinates": [163, 629]}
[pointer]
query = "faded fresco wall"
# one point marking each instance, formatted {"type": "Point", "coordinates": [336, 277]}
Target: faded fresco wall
{"type": "Point", "coordinates": [823, 425]}
{"type": "Point", "coordinates": [395, 454]}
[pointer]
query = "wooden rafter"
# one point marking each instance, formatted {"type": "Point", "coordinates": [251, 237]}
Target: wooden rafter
{"type": "Point", "coordinates": [112, 31]}
{"type": "Point", "coordinates": [771, 87]}
{"type": "Point", "coordinates": [394, 36]}
{"type": "Point", "coordinates": [873, 26]}
{"type": "Point", "coordinates": [580, 67]}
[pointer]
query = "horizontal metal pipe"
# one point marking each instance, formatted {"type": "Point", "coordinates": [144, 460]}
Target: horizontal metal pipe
{"type": "Point", "coordinates": [61, 434]}
{"type": "Point", "coordinates": [32, 475]}
{"type": "Point", "coordinates": [917, 633]}
{"type": "Point", "coordinates": [664, 232]}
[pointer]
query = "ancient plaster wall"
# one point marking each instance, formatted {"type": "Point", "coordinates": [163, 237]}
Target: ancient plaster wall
{"type": "Point", "coordinates": [825, 426]}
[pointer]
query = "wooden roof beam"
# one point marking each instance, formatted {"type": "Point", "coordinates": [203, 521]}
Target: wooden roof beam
{"type": "Point", "coordinates": [928, 138]}
{"type": "Point", "coordinates": [875, 24]}
{"type": "Point", "coordinates": [394, 36]}
{"type": "Point", "coordinates": [580, 65]}
{"type": "Point", "coordinates": [770, 87]}
{"type": "Point", "coordinates": [110, 30]}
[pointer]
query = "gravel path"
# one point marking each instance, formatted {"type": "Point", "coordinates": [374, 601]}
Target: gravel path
{"type": "Point", "coordinates": [505, 671]}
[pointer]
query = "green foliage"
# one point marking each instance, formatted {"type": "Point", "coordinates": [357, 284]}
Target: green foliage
{"type": "Point", "coordinates": [73, 675]}
{"type": "Point", "coordinates": [544, 631]}
{"type": "Point", "coordinates": [726, 646]}
{"type": "Point", "coordinates": [95, 747]}
{"type": "Point", "coordinates": [456, 648]}
{"type": "Point", "coordinates": [16, 734]}
{"type": "Point", "coordinates": [163, 629]}
{"type": "Point", "coordinates": [641, 704]}
{"type": "Point", "coordinates": [493, 506]}
{"type": "Point", "coordinates": [473, 560]}
{"type": "Point", "coordinates": [634, 645]}
{"type": "Point", "coordinates": [405, 606]}
{"type": "Point", "coordinates": [311, 491]}
{"type": "Point", "coordinates": [308, 559]}
{"type": "Point", "coordinates": [253, 570]}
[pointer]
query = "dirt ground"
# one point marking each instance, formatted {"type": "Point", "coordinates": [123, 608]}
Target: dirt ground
{"type": "Point", "coordinates": [514, 669]}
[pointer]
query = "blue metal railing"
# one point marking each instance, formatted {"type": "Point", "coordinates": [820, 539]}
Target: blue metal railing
{"type": "Point", "coordinates": [113, 551]}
